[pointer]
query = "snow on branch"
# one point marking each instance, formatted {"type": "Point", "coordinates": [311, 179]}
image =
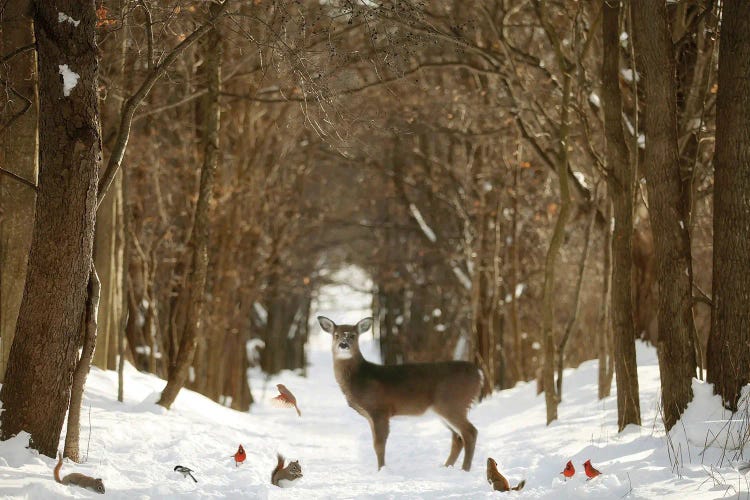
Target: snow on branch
{"type": "Point", "coordinates": [462, 277]}
{"type": "Point", "coordinates": [427, 230]}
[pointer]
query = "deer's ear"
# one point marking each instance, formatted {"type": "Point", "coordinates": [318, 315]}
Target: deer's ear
{"type": "Point", "coordinates": [364, 325]}
{"type": "Point", "coordinates": [326, 324]}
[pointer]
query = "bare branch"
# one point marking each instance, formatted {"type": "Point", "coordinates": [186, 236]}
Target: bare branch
{"type": "Point", "coordinates": [132, 103]}
{"type": "Point", "coordinates": [19, 178]}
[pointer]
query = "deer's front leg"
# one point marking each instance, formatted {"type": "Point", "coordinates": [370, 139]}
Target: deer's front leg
{"type": "Point", "coordinates": [379, 425]}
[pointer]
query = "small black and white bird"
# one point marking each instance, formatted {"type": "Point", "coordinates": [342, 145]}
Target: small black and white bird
{"type": "Point", "coordinates": [742, 466]}
{"type": "Point", "coordinates": [185, 472]}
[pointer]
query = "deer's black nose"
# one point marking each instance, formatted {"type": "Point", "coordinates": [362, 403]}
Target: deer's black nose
{"type": "Point", "coordinates": [343, 345]}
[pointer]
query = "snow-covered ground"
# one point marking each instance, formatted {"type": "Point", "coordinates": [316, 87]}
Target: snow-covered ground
{"type": "Point", "coordinates": [135, 445]}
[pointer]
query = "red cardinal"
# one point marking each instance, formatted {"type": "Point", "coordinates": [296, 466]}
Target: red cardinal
{"type": "Point", "coordinates": [239, 457]}
{"type": "Point", "coordinates": [285, 399]}
{"type": "Point", "coordinates": [569, 470]}
{"type": "Point", "coordinates": [591, 472]}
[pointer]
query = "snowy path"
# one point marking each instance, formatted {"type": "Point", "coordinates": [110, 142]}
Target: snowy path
{"type": "Point", "coordinates": [134, 446]}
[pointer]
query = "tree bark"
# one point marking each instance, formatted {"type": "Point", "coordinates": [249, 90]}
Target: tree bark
{"type": "Point", "coordinates": [37, 389]}
{"type": "Point", "coordinates": [728, 353]}
{"type": "Point", "coordinates": [390, 307]}
{"type": "Point", "coordinates": [655, 56]}
{"type": "Point", "coordinates": [125, 288]}
{"type": "Point", "coordinates": [518, 354]}
{"type": "Point", "coordinates": [82, 368]}
{"type": "Point", "coordinates": [621, 184]}
{"type": "Point", "coordinates": [108, 257]}
{"type": "Point", "coordinates": [483, 295]}
{"type": "Point", "coordinates": [199, 239]}
{"type": "Point", "coordinates": [576, 299]}
{"type": "Point", "coordinates": [131, 104]}
{"type": "Point", "coordinates": [551, 397]}
{"type": "Point", "coordinates": [604, 338]}
{"type": "Point", "coordinates": [19, 155]}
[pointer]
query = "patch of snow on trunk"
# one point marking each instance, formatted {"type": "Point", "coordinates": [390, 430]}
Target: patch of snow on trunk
{"type": "Point", "coordinates": [70, 79]}
{"type": "Point", "coordinates": [62, 17]}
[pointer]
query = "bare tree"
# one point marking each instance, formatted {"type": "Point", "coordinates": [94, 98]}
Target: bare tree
{"type": "Point", "coordinates": [198, 244]}
{"type": "Point", "coordinates": [675, 343]}
{"type": "Point", "coordinates": [621, 184]}
{"type": "Point", "coordinates": [18, 161]}
{"type": "Point", "coordinates": [89, 334]}
{"type": "Point", "coordinates": [729, 343]}
{"type": "Point", "coordinates": [36, 393]}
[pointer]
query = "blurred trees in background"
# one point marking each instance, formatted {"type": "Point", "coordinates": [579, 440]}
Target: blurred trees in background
{"type": "Point", "coordinates": [497, 167]}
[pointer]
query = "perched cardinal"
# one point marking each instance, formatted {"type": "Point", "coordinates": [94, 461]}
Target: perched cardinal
{"type": "Point", "coordinates": [569, 470]}
{"type": "Point", "coordinates": [591, 471]}
{"type": "Point", "coordinates": [239, 457]}
{"type": "Point", "coordinates": [285, 399]}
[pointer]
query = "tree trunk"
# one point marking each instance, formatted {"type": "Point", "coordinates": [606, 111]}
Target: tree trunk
{"type": "Point", "coordinates": [242, 398]}
{"type": "Point", "coordinates": [655, 56]}
{"type": "Point", "coordinates": [604, 338]}
{"type": "Point", "coordinates": [576, 299]}
{"type": "Point", "coordinates": [389, 309]}
{"type": "Point", "coordinates": [621, 183]}
{"type": "Point", "coordinates": [497, 314]}
{"type": "Point", "coordinates": [199, 240]}
{"type": "Point", "coordinates": [728, 353]}
{"type": "Point", "coordinates": [82, 368]}
{"type": "Point", "coordinates": [109, 264]}
{"type": "Point", "coordinates": [548, 314]}
{"type": "Point", "coordinates": [482, 297]}
{"type": "Point", "coordinates": [121, 332]}
{"type": "Point", "coordinates": [518, 354]}
{"type": "Point", "coordinates": [19, 155]}
{"type": "Point", "coordinates": [37, 389]}
{"type": "Point", "coordinates": [276, 327]}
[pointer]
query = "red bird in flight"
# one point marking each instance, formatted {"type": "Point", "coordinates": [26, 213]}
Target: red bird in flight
{"type": "Point", "coordinates": [285, 399]}
{"type": "Point", "coordinates": [569, 470]}
{"type": "Point", "coordinates": [240, 456]}
{"type": "Point", "coordinates": [591, 471]}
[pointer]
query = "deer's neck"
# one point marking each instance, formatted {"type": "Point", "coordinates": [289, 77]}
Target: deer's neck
{"type": "Point", "coordinates": [346, 369]}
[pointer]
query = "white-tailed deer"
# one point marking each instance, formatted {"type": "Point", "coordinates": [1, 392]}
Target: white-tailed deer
{"type": "Point", "coordinates": [380, 392]}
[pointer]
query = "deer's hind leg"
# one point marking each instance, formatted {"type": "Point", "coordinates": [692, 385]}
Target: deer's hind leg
{"type": "Point", "coordinates": [469, 437]}
{"type": "Point", "coordinates": [456, 446]}
{"type": "Point", "coordinates": [467, 434]}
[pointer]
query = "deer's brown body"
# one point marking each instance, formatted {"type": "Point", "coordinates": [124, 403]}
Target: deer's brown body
{"type": "Point", "coordinates": [380, 392]}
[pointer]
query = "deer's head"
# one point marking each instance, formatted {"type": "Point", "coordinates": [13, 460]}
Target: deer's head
{"type": "Point", "coordinates": [345, 338]}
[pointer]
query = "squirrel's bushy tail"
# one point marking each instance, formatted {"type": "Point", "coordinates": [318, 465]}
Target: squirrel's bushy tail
{"type": "Point", "coordinates": [279, 466]}
{"type": "Point", "coordinates": [58, 467]}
